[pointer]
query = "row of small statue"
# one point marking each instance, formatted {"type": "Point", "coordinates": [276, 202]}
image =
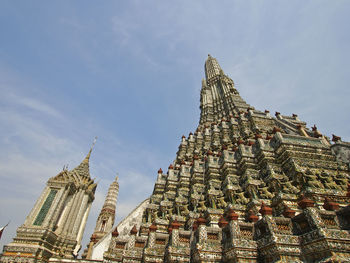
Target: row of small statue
{"type": "Point", "coordinates": [198, 202]}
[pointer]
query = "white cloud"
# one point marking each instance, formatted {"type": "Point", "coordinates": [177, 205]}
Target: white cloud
{"type": "Point", "coordinates": [30, 104]}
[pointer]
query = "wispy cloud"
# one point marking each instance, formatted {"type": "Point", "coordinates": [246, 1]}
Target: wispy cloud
{"type": "Point", "coordinates": [32, 104]}
{"type": "Point", "coordinates": [33, 150]}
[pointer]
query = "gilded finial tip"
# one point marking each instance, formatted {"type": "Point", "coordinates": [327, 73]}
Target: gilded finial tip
{"type": "Point", "coordinates": [117, 176]}
{"type": "Point", "coordinates": [94, 142]}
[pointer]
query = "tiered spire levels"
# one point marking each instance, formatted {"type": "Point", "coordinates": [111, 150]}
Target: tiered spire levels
{"type": "Point", "coordinates": [212, 68]}
{"type": "Point", "coordinates": [219, 98]}
{"type": "Point", "coordinates": [105, 220]}
{"type": "Point", "coordinates": [112, 195]}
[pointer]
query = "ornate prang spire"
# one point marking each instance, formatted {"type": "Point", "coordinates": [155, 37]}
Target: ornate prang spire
{"type": "Point", "coordinates": [105, 220]}
{"type": "Point", "coordinates": [219, 98]}
{"type": "Point", "coordinates": [109, 206]}
{"type": "Point", "coordinates": [244, 170]}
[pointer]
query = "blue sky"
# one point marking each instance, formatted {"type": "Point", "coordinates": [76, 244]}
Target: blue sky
{"type": "Point", "coordinates": [130, 73]}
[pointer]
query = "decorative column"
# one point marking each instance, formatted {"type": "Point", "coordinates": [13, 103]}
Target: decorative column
{"type": "Point", "coordinates": [83, 224]}
{"type": "Point", "coordinates": [81, 212]}
{"type": "Point", "coordinates": [53, 209]}
{"type": "Point", "coordinates": [59, 209]}
{"type": "Point", "coordinates": [31, 217]}
{"type": "Point", "coordinates": [132, 239]}
{"type": "Point", "coordinates": [152, 236]}
{"type": "Point", "coordinates": [72, 212]}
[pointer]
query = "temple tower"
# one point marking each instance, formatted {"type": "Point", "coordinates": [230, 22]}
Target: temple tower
{"type": "Point", "coordinates": [246, 186]}
{"type": "Point", "coordinates": [54, 227]}
{"type": "Point", "coordinates": [105, 220]}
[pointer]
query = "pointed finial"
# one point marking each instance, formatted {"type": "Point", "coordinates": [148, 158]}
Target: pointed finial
{"type": "Point", "coordinates": [117, 176]}
{"type": "Point", "coordinates": [87, 158]}
{"type": "Point", "coordinates": [93, 143]}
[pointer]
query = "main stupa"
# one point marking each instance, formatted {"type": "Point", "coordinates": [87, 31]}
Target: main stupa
{"type": "Point", "coordinates": [246, 186]}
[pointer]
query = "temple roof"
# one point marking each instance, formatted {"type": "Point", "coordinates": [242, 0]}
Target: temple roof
{"type": "Point", "coordinates": [83, 168]}
{"type": "Point", "coordinates": [80, 175]}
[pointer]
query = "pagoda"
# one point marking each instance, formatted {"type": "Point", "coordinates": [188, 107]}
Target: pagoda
{"type": "Point", "coordinates": [246, 186]}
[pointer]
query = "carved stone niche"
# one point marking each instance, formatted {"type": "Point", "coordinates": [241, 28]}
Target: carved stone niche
{"type": "Point", "coordinates": [301, 224]}
{"type": "Point", "coordinates": [261, 230]}
{"type": "Point", "coordinates": [344, 217]}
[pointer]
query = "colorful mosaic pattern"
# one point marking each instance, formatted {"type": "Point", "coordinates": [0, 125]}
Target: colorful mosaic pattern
{"type": "Point", "coordinates": [45, 208]}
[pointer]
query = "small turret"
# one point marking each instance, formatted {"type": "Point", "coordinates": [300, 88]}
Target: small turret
{"type": "Point", "coordinates": [105, 220]}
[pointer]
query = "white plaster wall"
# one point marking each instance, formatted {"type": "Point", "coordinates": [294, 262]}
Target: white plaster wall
{"type": "Point", "coordinates": [124, 227]}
